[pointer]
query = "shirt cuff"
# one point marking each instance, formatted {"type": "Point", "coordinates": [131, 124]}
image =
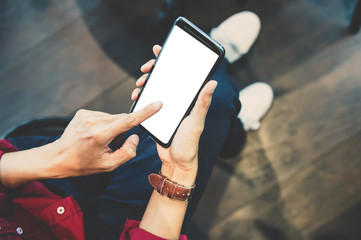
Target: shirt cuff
{"type": "Point", "coordinates": [132, 231]}
{"type": "Point", "coordinates": [5, 147]}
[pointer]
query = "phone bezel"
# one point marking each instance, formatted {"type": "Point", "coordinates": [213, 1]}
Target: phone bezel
{"type": "Point", "coordinates": [202, 37]}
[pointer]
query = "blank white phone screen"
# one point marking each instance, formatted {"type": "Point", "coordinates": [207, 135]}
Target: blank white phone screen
{"type": "Point", "coordinates": [179, 73]}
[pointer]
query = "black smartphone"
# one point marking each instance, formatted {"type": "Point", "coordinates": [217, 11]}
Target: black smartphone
{"type": "Point", "coordinates": [188, 59]}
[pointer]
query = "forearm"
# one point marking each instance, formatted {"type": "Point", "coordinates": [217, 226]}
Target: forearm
{"type": "Point", "coordinates": [18, 168]}
{"type": "Point", "coordinates": [164, 216]}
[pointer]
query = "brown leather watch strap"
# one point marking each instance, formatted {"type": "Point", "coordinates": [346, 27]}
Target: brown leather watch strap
{"type": "Point", "coordinates": [171, 189]}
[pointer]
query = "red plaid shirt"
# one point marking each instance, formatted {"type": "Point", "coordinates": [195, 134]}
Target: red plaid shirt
{"type": "Point", "coordinates": [33, 212]}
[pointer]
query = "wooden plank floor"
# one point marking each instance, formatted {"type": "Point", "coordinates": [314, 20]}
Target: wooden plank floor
{"type": "Point", "coordinates": [299, 176]}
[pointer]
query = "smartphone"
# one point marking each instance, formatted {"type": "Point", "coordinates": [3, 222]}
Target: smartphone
{"type": "Point", "coordinates": [188, 59]}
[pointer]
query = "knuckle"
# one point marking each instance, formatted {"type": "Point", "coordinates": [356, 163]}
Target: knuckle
{"type": "Point", "coordinates": [81, 112]}
{"type": "Point", "coordinates": [130, 118]}
{"type": "Point", "coordinates": [123, 117]}
{"type": "Point", "coordinates": [135, 92]}
{"type": "Point", "coordinates": [89, 123]}
{"type": "Point", "coordinates": [206, 102]}
{"type": "Point", "coordinates": [91, 136]}
{"type": "Point", "coordinates": [106, 166]}
{"type": "Point", "coordinates": [84, 126]}
{"type": "Point", "coordinates": [144, 76]}
{"type": "Point", "coordinates": [97, 138]}
{"type": "Point", "coordinates": [130, 152]}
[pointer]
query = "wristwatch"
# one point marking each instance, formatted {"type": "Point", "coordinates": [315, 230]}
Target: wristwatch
{"type": "Point", "coordinates": [171, 189]}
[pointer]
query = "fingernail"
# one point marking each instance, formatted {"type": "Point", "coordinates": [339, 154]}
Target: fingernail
{"type": "Point", "coordinates": [134, 139]}
{"type": "Point", "coordinates": [138, 81]}
{"type": "Point", "coordinates": [157, 105]}
{"type": "Point", "coordinates": [213, 87]}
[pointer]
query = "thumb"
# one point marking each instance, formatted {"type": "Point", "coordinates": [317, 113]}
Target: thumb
{"type": "Point", "coordinates": [201, 107]}
{"type": "Point", "coordinates": [127, 151]}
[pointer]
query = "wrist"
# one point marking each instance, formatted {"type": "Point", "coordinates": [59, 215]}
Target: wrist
{"type": "Point", "coordinates": [164, 216]}
{"type": "Point", "coordinates": [55, 166]}
{"type": "Point", "coordinates": [18, 168]}
{"type": "Point", "coordinates": [183, 176]}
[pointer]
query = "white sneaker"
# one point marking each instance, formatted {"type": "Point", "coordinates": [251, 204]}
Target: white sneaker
{"type": "Point", "coordinates": [237, 34]}
{"type": "Point", "coordinates": [256, 100]}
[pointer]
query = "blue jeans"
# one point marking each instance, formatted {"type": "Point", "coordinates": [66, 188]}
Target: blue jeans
{"type": "Point", "coordinates": [107, 200]}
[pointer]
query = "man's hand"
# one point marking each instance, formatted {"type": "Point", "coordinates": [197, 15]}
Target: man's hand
{"type": "Point", "coordinates": [180, 160]}
{"type": "Point", "coordinates": [82, 149]}
{"type": "Point", "coordinates": [85, 141]}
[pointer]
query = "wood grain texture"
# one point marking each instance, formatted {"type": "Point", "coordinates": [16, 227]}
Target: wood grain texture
{"type": "Point", "coordinates": [67, 70]}
{"type": "Point", "coordinates": [116, 100]}
{"type": "Point", "coordinates": [24, 24]}
{"type": "Point", "coordinates": [320, 72]}
{"type": "Point", "coordinates": [307, 107]}
{"type": "Point", "coordinates": [314, 118]}
{"type": "Point", "coordinates": [291, 32]}
{"type": "Point", "coordinates": [232, 188]}
{"type": "Point", "coordinates": [304, 203]}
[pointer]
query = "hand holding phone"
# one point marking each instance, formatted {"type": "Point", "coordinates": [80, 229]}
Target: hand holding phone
{"type": "Point", "coordinates": [187, 60]}
{"type": "Point", "coordinates": [180, 159]}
